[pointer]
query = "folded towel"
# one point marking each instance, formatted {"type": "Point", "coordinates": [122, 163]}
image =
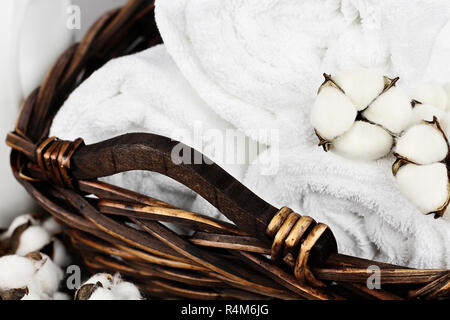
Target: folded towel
{"type": "Point", "coordinates": [258, 63]}
{"type": "Point", "coordinates": [146, 93]}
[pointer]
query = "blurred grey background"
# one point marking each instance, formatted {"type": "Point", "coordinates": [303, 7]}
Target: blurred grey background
{"type": "Point", "coordinates": [91, 10]}
{"type": "Point", "coordinates": [24, 60]}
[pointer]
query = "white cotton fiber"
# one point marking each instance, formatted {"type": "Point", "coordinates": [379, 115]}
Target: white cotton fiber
{"type": "Point", "coordinates": [48, 275]}
{"type": "Point", "coordinates": [364, 141]}
{"type": "Point", "coordinates": [362, 85]}
{"type": "Point", "coordinates": [424, 112]}
{"type": "Point", "coordinates": [33, 239]}
{"type": "Point", "coordinates": [333, 113]}
{"type": "Point", "coordinates": [52, 226]}
{"type": "Point", "coordinates": [426, 186]}
{"type": "Point", "coordinates": [33, 296]}
{"type": "Point", "coordinates": [61, 296]}
{"type": "Point", "coordinates": [113, 288]}
{"type": "Point", "coordinates": [36, 272]}
{"type": "Point", "coordinates": [431, 93]}
{"type": "Point", "coordinates": [104, 278]}
{"type": "Point", "coordinates": [17, 222]}
{"type": "Point", "coordinates": [126, 291]}
{"type": "Point", "coordinates": [15, 272]}
{"type": "Point", "coordinates": [102, 294]}
{"type": "Point", "coordinates": [392, 110]}
{"type": "Point", "coordinates": [422, 144]}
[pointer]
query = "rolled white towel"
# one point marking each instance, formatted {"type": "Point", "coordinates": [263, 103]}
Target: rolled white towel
{"type": "Point", "coordinates": [146, 92]}
{"type": "Point", "coordinates": [258, 63]}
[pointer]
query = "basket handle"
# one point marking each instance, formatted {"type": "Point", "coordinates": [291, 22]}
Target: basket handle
{"type": "Point", "coordinates": [140, 151]}
{"type": "Point", "coordinates": [64, 163]}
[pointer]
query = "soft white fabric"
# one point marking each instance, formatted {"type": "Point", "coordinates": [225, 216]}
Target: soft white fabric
{"type": "Point", "coordinates": [259, 63]}
{"type": "Point", "coordinates": [266, 57]}
{"type": "Point", "coordinates": [362, 204]}
{"type": "Point", "coordinates": [146, 93]}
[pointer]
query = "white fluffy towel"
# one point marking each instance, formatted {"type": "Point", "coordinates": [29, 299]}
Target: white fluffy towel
{"type": "Point", "coordinates": [256, 65]}
{"type": "Point", "coordinates": [259, 63]}
{"type": "Point", "coordinates": [145, 92]}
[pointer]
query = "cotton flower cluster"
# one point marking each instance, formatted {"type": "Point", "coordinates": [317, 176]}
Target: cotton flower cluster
{"type": "Point", "coordinates": [360, 118]}
{"type": "Point", "coordinates": [422, 151]}
{"type": "Point", "coordinates": [32, 257]}
{"type": "Point", "coordinates": [32, 277]}
{"type": "Point", "coordinates": [422, 166]}
{"type": "Point", "coordinates": [358, 112]}
{"type": "Point", "coordinates": [430, 100]}
{"type": "Point", "coordinates": [104, 286]}
{"type": "Point", "coordinates": [28, 233]}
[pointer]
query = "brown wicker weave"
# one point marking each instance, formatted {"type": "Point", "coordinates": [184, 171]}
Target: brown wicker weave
{"type": "Point", "coordinates": [268, 253]}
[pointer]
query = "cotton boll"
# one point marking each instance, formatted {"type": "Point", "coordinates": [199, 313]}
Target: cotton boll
{"type": "Point", "coordinates": [36, 272]}
{"type": "Point", "coordinates": [431, 93]}
{"type": "Point", "coordinates": [104, 278]}
{"type": "Point", "coordinates": [35, 292]}
{"type": "Point", "coordinates": [426, 186]}
{"type": "Point", "coordinates": [15, 272]}
{"type": "Point", "coordinates": [17, 222]}
{"type": "Point", "coordinates": [31, 296]}
{"type": "Point", "coordinates": [424, 112]}
{"type": "Point", "coordinates": [126, 291]}
{"type": "Point", "coordinates": [392, 110]}
{"type": "Point", "coordinates": [48, 276]}
{"type": "Point", "coordinates": [333, 113]}
{"type": "Point", "coordinates": [33, 239]}
{"type": "Point", "coordinates": [111, 288]}
{"type": "Point", "coordinates": [364, 141]}
{"type": "Point", "coordinates": [362, 85]}
{"type": "Point", "coordinates": [382, 111]}
{"type": "Point", "coordinates": [102, 294]}
{"type": "Point", "coordinates": [422, 144]}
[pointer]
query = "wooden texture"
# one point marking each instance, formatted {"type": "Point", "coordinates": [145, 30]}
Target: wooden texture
{"type": "Point", "coordinates": [120, 230]}
{"type": "Point", "coordinates": [139, 151]}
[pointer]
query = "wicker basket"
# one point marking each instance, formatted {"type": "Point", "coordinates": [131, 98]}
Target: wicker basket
{"type": "Point", "coordinates": [268, 253]}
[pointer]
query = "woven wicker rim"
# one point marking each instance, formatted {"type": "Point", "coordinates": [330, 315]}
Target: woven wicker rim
{"type": "Point", "coordinates": [220, 260]}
